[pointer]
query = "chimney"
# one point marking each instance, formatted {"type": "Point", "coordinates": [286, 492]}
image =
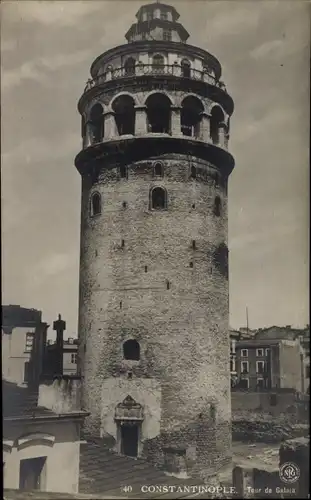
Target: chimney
{"type": "Point", "coordinates": [60, 326]}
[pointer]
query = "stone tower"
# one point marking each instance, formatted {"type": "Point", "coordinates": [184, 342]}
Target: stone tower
{"type": "Point", "coordinates": [153, 315]}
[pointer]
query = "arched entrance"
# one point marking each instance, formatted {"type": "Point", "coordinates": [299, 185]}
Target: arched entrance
{"type": "Point", "coordinates": [129, 417]}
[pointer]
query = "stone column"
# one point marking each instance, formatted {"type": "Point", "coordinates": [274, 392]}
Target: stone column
{"type": "Point", "coordinates": [205, 127]}
{"type": "Point", "coordinates": [140, 120]}
{"type": "Point", "coordinates": [176, 121]}
{"type": "Point", "coordinates": [226, 140]}
{"type": "Point", "coordinates": [111, 130]}
{"type": "Point", "coordinates": [221, 134]}
{"type": "Point", "coordinates": [243, 482]}
{"type": "Point", "coordinates": [87, 139]}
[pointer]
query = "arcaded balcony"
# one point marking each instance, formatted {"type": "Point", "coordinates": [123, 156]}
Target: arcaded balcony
{"type": "Point", "coordinates": [133, 68]}
{"type": "Point", "coordinates": [158, 115]}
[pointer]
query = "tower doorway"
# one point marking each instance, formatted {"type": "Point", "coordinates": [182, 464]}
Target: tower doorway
{"type": "Point", "coordinates": [129, 440]}
{"type": "Point", "coordinates": [129, 417]}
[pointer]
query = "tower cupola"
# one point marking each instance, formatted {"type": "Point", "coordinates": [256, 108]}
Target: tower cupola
{"type": "Point", "coordinates": [157, 21]}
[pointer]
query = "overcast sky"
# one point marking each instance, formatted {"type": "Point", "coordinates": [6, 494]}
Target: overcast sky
{"type": "Point", "coordinates": [47, 49]}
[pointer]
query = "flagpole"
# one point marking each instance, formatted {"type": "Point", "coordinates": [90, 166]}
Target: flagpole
{"type": "Point", "coordinates": [247, 319]}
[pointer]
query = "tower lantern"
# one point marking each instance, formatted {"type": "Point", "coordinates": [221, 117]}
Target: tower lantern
{"type": "Point", "coordinates": [153, 314]}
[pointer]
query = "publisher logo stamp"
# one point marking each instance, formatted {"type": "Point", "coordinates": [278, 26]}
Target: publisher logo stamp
{"type": "Point", "coordinates": [289, 473]}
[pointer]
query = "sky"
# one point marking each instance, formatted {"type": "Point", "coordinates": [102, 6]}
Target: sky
{"type": "Point", "coordinates": [46, 51]}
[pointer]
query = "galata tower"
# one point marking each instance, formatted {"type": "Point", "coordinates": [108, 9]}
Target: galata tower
{"type": "Point", "coordinates": [154, 308]}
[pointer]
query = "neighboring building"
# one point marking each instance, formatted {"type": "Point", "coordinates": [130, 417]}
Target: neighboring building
{"type": "Point", "coordinates": [70, 352]}
{"type": "Point", "coordinates": [41, 428]}
{"type": "Point", "coordinates": [41, 447]}
{"type": "Point", "coordinates": [234, 338]}
{"type": "Point", "coordinates": [269, 364]}
{"type": "Point", "coordinates": [20, 326]}
{"type": "Point", "coordinates": [153, 314]}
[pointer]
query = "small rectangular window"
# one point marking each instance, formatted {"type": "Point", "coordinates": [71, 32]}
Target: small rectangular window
{"type": "Point", "coordinates": [259, 353]}
{"type": "Point", "coordinates": [260, 366]}
{"type": "Point", "coordinates": [260, 383]}
{"type": "Point", "coordinates": [244, 383]}
{"type": "Point", "coordinates": [122, 243]}
{"type": "Point", "coordinates": [167, 35]}
{"type": "Point", "coordinates": [164, 16]}
{"type": "Point", "coordinates": [29, 342]}
{"type": "Point", "coordinates": [267, 352]}
{"type": "Point", "coordinates": [244, 367]}
{"type": "Point", "coordinates": [193, 245]}
{"type": "Point", "coordinates": [244, 353]}
{"type": "Point", "coordinates": [74, 358]}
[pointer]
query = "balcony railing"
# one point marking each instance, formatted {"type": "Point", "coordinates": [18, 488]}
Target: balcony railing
{"type": "Point", "coordinates": [155, 69]}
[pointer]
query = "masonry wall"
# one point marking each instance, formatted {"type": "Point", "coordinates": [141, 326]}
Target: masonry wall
{"type": "Point", "coordinates": [183, 330]}
{"type": "Point", "coordinates": [290, 365]}
{"type": "Point", "coordinates": [249, 401]}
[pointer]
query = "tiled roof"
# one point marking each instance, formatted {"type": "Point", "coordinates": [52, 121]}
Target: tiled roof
{"type": "Point", "coordinates": [20, 402]}
{"type": "Point", "coordinates": [103, 472]}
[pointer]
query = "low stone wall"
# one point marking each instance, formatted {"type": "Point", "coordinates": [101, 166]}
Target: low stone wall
{"type": "Point", "coordinates": [61, 395]}
{"type": "Point", "coordinates": [266, 429]}
{"type": "Point", "coordinates": [284, 402]}
{"type": "Point", "coordinates": [261, 483]}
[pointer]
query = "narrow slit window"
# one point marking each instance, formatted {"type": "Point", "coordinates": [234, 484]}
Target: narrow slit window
{"type": "Point", "coordinates": [193, 245]}
{"type": "Point", "coordinates": [217, 206]}
{"type": "Point", "coordinates": [193, 173]}
{"type": "Point", "coordinates": [123, 172]}
{"type": "Point", "coordinates": [124, 204]}
{"type": "Point", "coordinates": [168, 285]}
{"type": "Point", "coordinates": [122, 243]}
{"type": "Point", "coordinates": [146, 269]}
{"type": "Point", "coordinates": [191, 265]}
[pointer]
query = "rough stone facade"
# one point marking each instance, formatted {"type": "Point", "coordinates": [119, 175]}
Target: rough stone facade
{"type": "Point", "coordinates": [159, 277]}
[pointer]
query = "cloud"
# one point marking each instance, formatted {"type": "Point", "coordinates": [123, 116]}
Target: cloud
{"type": "Point", "coordinates": [8, 45]}
{"type": "Point", "coordinates": [48, 13]}
{"type": "Point", "coordinates": [51, 265]}
{"type": "Point", "coordinates": [36, 151]}
{"type": "Point", "coordinates": [39, 68]}
{"type": "Point", "coordinates": [266, 49]}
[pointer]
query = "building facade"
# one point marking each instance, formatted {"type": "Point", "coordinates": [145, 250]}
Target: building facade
{"type": "Point", "coordinates": [153, 315]}
{"type": "Point", "coordinates": [269, 364]}
{"type": "Point", "coordinates": [23, 334]}
{"type": "Point", "coordinates": [70, 352]}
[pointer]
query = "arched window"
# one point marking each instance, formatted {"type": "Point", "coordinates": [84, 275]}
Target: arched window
{"type": "Point", "coordinates": [217, 206]}
{"type": "Point", "coordinates": [217, 117]}
{"type": "Point", "coordinates": [129, 66]}
{"type": "Point", "coordinates": [158, 113]}
{"type": "Point", "coordinates": [193, 173]}
{"type": "Point", "coordinates": [124, 110]}
{"type": "Point", "coordinates": [95, 204]}
{"type": "Point", "coordinates": [191, 116]}
{"type": "Point", "coordinates": [96, 123]}
{"type": "Point", "coordinates": [158, 169]}
{"type": "Point", "coordinates": [158, 63]}
{"type": "Point", "coordinates": [158, 199]}
{"type": "Point", "coordinates": [131, 350]}
{"type": "Point", "coordinates": [185, 68]}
